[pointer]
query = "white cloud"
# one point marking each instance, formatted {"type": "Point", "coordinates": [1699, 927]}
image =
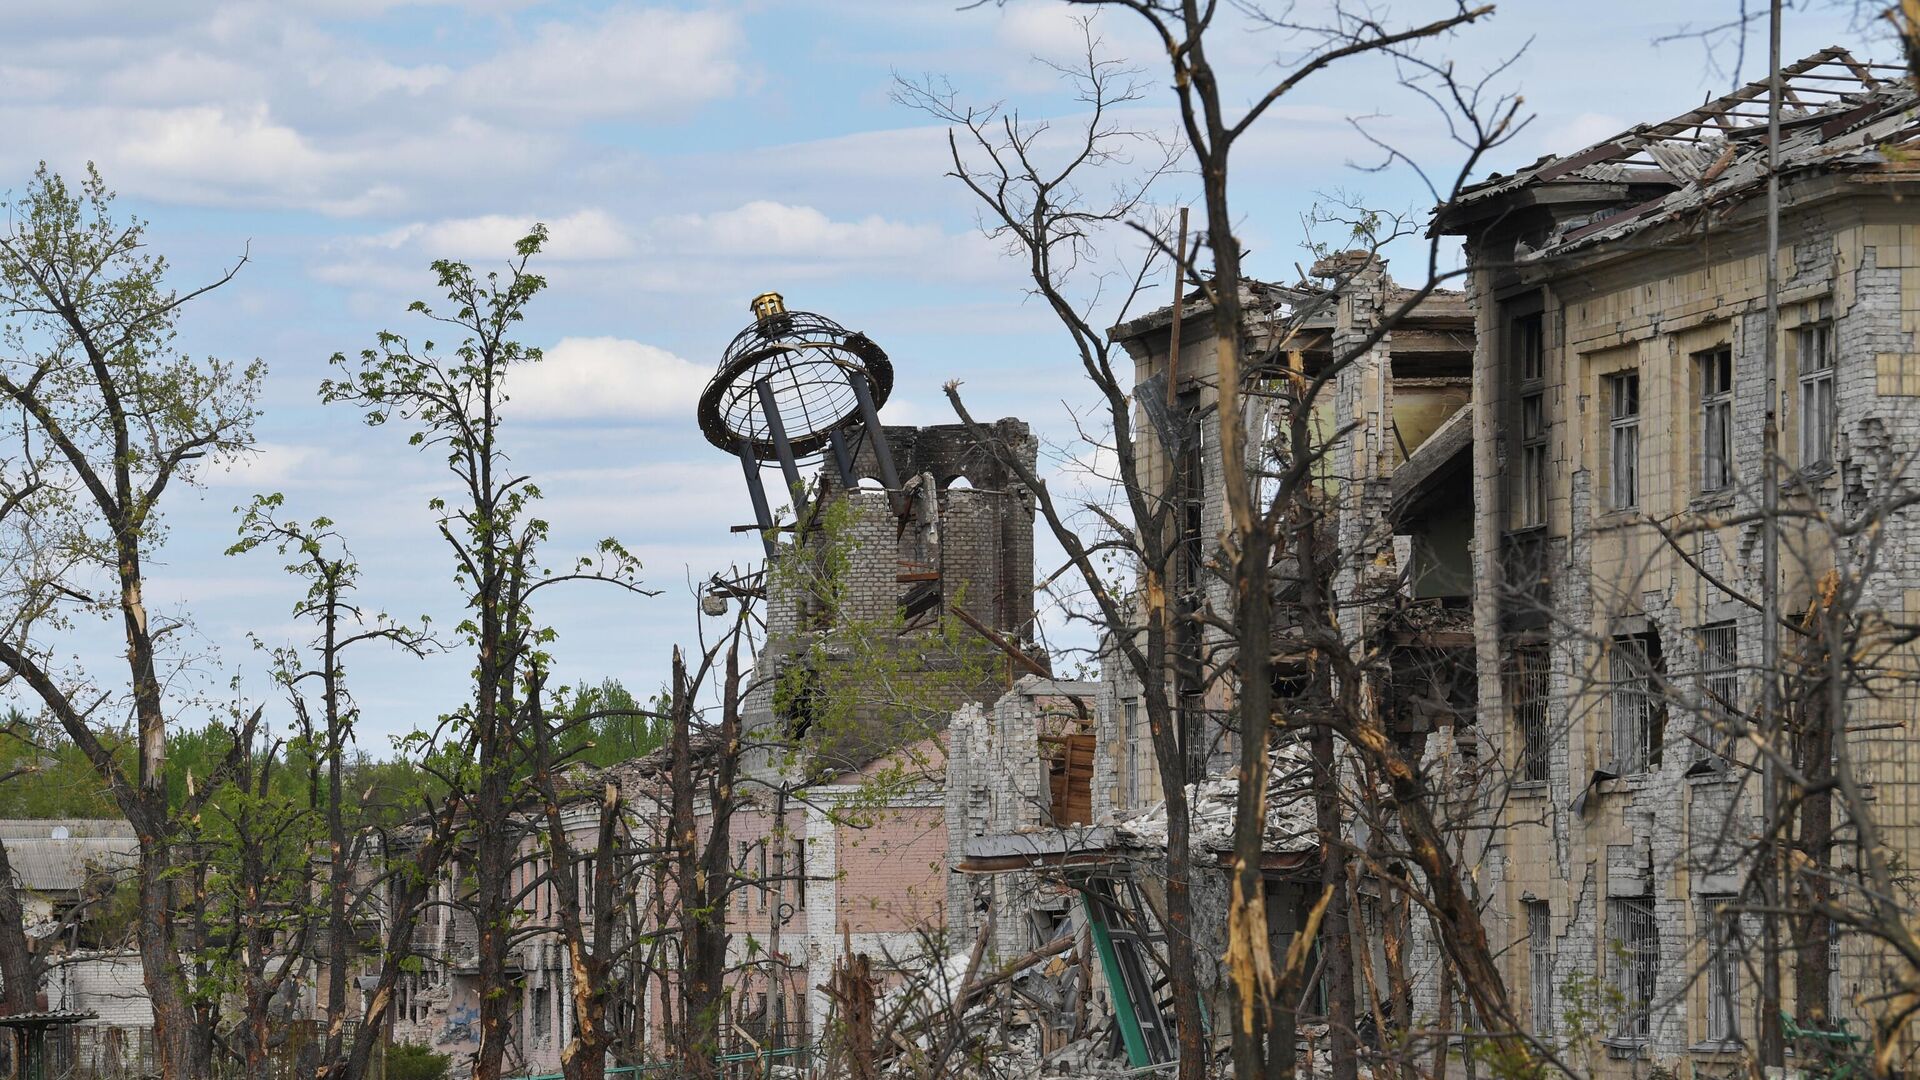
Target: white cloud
{"type": "Point", "coordinates": [606, 378]}
{"type": "Point", "coordinates": [182, 76]}
{"type": "Point", "coordinates": [643, 62]}
{"type": "Point", "coordinates": [1050, 30]}
{"type": "Point", "coordinates": [585, 234]}
{"type": "Point", "coordinates": [763, 227]}
{"type": "Point", "coordinates": [268, 467]}
{"type": "Point", "coordinates": [209, 142]}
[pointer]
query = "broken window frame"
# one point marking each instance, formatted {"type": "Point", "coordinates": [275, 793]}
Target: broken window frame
{"type": "Point", "coordinates": [1719, 929]}
{"type": "Point", "coordinates": [1634, 937]}
{"type": "Point", "coordinates": [1540, 964]}
{"type": "Point", "coordinates": [540, 1012]}
{"type": "Point", "coordinates": [1638, 725]}
{"type": "Point", "coordinates": [1818, 419]}
{"type": "Point", "coordinates": [800, 873]}
{"type": "Point", "coordinates": [1623, 441]}
{"type": "Point", "coordinates": [1714, 370]}
{"type": "Point", "coordinates": [1528, 693]}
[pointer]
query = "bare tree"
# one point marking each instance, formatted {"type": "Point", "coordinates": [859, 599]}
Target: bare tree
{"type": "Point", "coordinates": [1273, 511]}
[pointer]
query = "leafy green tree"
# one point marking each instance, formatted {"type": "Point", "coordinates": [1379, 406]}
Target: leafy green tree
{"type": "Point", "coordinates": [410, 1061]}
{"type": "Point", "coordinates": [604, 724]}
{"type": "Point", "coordinates": [105, 416]}
{"type": "Point", "coordinates": [452, 400]}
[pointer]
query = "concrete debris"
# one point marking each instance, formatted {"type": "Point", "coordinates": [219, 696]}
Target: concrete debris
{"type": "Point", "coordinates": [1211, 805]}
{"type": "Point", "coordinates": [1009, 1020]}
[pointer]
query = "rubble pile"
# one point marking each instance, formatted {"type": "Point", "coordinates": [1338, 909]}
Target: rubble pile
{"type": "Point", "coordinates": [1009, 1017]}
{"type": "Point", "coordinates": [1210, 803]}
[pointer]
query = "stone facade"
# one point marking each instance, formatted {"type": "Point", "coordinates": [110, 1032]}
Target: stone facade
{"type": "Point", "coordinates": [1610, 570]}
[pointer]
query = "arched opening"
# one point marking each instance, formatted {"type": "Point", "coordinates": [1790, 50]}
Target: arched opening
{"type": "Point", "coordinates": [958, 482]}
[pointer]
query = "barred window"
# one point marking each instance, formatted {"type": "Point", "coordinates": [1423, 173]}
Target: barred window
{"type": "Point", "coordinates": [1719, 685]}
{"type": "Point", "coordinates": [1716, 418]}
{"type": "Point", "coordinates": [1540, 967]}
{"type": "Point", "coordinates": [1720, 928]}
{"type": "Point", "coordinates": [1635, 954]}
{"type": "Point", "coordinates": [1638, 720]}
{"type": "Point", "coordinates": [1527, 691]}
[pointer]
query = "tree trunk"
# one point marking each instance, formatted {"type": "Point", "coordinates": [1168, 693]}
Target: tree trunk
{"type": "Point", "coordinates": [18, 985]}
{"type": "Point", "coordinates": [1337, 934]}
{"type": "Point", "coordinates": [1819, 712]}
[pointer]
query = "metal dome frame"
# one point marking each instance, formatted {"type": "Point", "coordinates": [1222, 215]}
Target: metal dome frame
{"type": "Point", "coordinates": [729, 405]}
{"type": "Point", "coordinates": [790, 366]}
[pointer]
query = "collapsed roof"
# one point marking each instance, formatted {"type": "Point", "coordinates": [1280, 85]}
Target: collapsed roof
{"type": "Point", "coordinates": [1837, 114]}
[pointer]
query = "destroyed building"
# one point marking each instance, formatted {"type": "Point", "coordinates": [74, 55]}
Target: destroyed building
{"type": "Point", "coordinates": [1044, 842]}
{"type": "Point", "coordinates": [928, 571]}
{"type": "Point", "coordinates": [1622, 396]}
{"type": "Point", "coordinates": [898, 587]}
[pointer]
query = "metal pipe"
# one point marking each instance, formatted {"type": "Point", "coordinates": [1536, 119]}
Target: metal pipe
{"type": "Point", "coordinates": [783, 449]}
{"type": "Point", "coordinates": [843, 458]}
{"type": "Point", "coordinates": [877, 435]}
{"type": "Point", "coordinates": [757, 491]}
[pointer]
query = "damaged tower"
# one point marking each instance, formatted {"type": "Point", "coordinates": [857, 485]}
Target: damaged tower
{"type": "Point", "coordinates": [899, 587]}
{"type": "Point", "coordinates": [934, 523]}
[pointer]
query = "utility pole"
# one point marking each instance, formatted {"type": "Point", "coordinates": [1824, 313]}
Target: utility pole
{"type": "Point", "coordinates": [1772, 1038]}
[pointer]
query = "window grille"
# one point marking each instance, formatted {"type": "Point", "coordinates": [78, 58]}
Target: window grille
{"type": "Point", "coordinates": [1723, 970]}
{"type": "Point", "coordinates": [1636, 713]}
{"type": "Point", "coordinates": [1527, 691]}
{"type": "Point", "coordinates": [1540, 970]}
{"type": "Point", "coordinates": [1719, 685]}
{"type": "Point", "coordinates": [1635, 954]}
{"type": "Point", "coordinates": [1623, 394]}
{"type": "Point", "coordinates": [1716, 418]}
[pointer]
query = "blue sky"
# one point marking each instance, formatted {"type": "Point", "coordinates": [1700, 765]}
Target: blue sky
{"type": "Point", "coordinates": [685, 158]}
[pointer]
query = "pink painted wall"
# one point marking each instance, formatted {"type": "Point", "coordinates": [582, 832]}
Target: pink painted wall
{"type": "Point", "coordinates": [893, 873]}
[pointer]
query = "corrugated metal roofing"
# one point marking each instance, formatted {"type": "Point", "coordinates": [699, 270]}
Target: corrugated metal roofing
{"type": "Point", "coordinates": [55, 828]}
{"type": "Point", "coordinates": [49, 865]}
